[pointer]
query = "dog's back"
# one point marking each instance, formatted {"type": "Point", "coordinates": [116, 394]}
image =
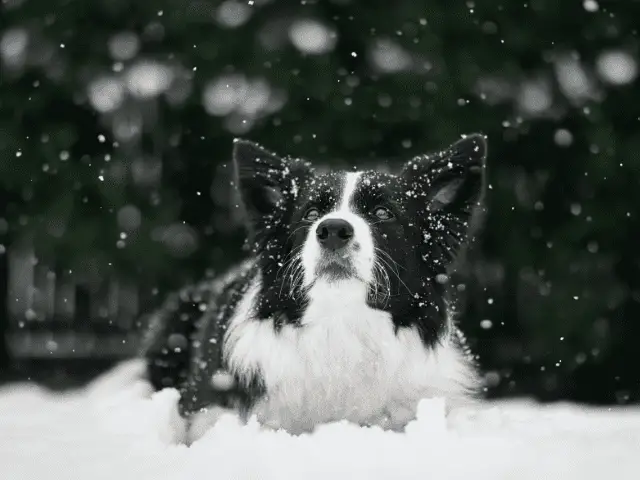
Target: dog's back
{"type": "Point", "coordinates": [172, 340]}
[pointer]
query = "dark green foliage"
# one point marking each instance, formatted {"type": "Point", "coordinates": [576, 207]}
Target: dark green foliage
{"type": "Point", "coordinates": [553, 288]}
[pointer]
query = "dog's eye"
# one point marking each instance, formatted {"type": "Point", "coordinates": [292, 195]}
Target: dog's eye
{"type": "Point", "coordinates": [312, 215]}
{"type": "Point", "coordinates": [382, 213]}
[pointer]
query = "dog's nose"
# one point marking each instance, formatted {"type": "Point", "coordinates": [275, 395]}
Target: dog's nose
{"type": "Point", "coordinates": [334, 233]}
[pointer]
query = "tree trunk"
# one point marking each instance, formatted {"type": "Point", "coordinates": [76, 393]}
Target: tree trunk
{"type": "Point", "coordinates": [4, 311]}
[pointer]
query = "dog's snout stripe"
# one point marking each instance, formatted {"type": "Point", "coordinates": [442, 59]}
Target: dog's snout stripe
{"type": "Point", "coordinates": [350, 185]}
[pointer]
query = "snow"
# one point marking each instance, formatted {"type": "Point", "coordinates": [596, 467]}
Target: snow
{"type": "Point", "coordinates": [311, 36]}
{"type": "Point", "coordinates": [116, 429]}
{"type": "Point", "coordinates": [573, 79]}
{"type": "Point", "coordinates": [106, 93]}
{"type": "Point", "coordinates": [389, 57]}
{"type": "Point", "coordinates": [534, 97]}
{"type": "Point", "coordinates": [124, 46]}
{"type": "Point", "coordinates": [13, 46]}
{"type": "Point", "coordinates": [241, 99]}
{"type": "Point", "coordinates": [563, 137]}
{"type": "Point", "coordinates": [232, 14]}
{"type": "Point", "coordinates": [148, 79]}
{"type": "Point", "coordinates": [617, 67]}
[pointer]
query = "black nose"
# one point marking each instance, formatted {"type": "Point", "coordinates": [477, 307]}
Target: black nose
{"type": "Point", "coordinates": [334, 233]}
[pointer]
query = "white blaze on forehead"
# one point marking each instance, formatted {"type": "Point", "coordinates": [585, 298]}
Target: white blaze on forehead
{"type": "Point", "coordinates": [350, 184]}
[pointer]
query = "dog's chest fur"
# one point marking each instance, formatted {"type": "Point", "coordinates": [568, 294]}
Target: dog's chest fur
{"type": "Point", "coordinates": [345, 361]}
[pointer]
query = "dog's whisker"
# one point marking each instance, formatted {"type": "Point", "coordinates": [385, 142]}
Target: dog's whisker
{"type": "Point", "coordinates": [395, 272]}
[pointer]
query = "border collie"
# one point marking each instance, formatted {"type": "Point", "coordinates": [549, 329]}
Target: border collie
{"type": "Point", "coordinates": [341, 312]}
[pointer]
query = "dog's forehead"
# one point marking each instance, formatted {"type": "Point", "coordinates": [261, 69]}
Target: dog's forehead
{"type": "Point", "coordinates": [334, 184]}
{"type": "Point", "coordinates": [371, 180]}
{"type": "Point", "coordinates": [329, 186]}
{"type": "Point", "coordinates": [374, 186]}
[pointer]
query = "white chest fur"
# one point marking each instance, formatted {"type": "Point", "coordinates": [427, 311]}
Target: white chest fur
{"type": "Point", "coordinates": [344, 362]}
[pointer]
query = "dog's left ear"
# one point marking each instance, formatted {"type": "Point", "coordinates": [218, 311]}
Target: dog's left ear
{"type": "Point", "coordinates": [451, 180]}
{"type": "Point", "coordinates": [445, 190]}
{"type": "Point", "coordinates": [267, 182]}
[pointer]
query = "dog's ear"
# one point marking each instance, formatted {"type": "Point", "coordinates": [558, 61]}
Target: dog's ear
{"type": "Point", "coordinates": [447, 187]}
{"type": "Point", "coordinates": [267, 183]}
{"type": "Point", "coordinates": [452, 179]}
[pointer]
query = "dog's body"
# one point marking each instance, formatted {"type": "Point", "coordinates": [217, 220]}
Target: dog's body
{"type": "Point", "coordinates": [341, 312]}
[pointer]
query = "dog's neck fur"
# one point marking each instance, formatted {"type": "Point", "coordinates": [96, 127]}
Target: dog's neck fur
{"type": "Point", "coordinates": [344, 361]}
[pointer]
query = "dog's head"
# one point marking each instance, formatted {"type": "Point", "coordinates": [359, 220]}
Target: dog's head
{"type": "Point", "coordinates": [397, 234]}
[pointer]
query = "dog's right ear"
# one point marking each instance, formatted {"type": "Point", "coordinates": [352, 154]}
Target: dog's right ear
{"type": "Point", "coordinates": [447, 189]}
{"type": "Point", "coordinates": [268, 184]}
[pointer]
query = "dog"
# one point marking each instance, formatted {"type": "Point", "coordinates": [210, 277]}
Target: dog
{"type": "Point", "coordinates": [341, 312]}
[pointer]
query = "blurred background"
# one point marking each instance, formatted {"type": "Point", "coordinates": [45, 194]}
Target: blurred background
{"type": "Point", "coordinates": [116, 121]}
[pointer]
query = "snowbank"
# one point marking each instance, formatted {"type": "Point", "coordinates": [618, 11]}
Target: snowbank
{"type": "Point", "coordinates": [117, 429]}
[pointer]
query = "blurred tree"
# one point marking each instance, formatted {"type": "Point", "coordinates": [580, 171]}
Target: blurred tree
{"type": "Point", "coordinates": [4, 319]}
{"type": "Point", "coordinates": [116, 120]}
{"type": "Point", "coordinates": [4, 284]}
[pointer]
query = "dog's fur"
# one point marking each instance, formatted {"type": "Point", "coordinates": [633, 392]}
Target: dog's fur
{"type": "Point", "coordinates": [306, 332]}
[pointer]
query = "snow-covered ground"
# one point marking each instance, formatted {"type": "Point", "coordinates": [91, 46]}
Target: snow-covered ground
{"type": "Point", "coordinates": [114, 430]}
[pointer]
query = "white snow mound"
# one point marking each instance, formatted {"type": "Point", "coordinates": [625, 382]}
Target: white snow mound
{"type": "Point", "coordinates": [116, 428]}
